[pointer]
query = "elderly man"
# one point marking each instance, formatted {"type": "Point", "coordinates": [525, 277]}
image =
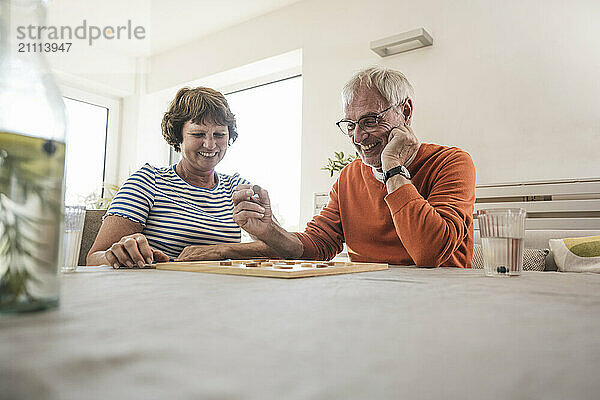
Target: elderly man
{"type": "Point", "coordinates": [403, 202]}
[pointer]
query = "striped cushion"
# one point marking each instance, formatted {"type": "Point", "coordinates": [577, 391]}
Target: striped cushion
{"type": "Point", "coordinates": [533, 259]}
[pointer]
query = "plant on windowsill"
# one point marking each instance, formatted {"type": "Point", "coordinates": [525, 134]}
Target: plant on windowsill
{"type": "Point", "coordinates": [338, 161]}
{"type": "Point", "coordinates": [96, 202]}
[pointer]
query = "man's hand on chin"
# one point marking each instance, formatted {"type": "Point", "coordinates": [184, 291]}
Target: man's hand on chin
{"type": "Point", "coordinates": [402, 143]}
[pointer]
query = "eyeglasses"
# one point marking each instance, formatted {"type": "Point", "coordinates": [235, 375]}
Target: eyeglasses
{"type": "Point", "coordinates": [367, 123]}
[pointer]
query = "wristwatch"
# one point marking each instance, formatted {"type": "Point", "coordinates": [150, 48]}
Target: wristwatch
{"type": "Point", "coordinates": [399, 170]}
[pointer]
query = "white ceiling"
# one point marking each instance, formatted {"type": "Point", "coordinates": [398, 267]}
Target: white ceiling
{"type": "Point", "coordinates": [168, 23]}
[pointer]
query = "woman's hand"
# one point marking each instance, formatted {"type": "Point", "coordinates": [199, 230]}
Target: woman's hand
{"type": "Point", "coordinates": [133, 250]}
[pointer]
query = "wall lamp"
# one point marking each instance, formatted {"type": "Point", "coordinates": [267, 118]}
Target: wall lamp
{"type": "Point", "coordinates": [402, 42]}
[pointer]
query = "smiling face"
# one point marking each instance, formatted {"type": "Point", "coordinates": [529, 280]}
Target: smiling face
{"type": "Point", "coordinates": [204, 146]}
{"type": "Point", "coordinates": [368, 101]}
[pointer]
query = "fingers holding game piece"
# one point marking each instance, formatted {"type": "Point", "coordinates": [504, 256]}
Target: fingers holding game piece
{"type": "Point", "coordinates": [256, 196]}
{"type": "Point", "coordinates": [252, 211]}
{"type": "Point", "coordinates": [261, 195]}
{"type": "Point", "coordinates": [249, 193]}
{"type": "Point", "coordinates": [242, 193]}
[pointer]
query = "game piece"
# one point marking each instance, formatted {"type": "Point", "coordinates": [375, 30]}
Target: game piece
{"type": "Point", "coordinates": [226, 263]}
{"type": "Point", "coordinates": [306, 265]}
{"type": "Point", "coordinates": [330, 263]}
{"type": "Point", "coordinates": [266, 264]}
{"type": "Point", "coordinates": [289, 262]}
{"type": "Point", "coordinates": [322, 265]}
{"type": "Point", "coordinates": [252, 264]}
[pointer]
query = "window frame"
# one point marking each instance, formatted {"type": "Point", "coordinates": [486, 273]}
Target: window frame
{"type": "Point", "coordinates": [112, 139]}
{"type": "Point", "coordinates": [265, 81]}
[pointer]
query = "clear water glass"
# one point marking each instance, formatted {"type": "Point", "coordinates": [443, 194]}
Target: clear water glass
{"type": "Point", "coordinates": [502, 231]}
{"type": "Point", "coordinates": [74, 219]}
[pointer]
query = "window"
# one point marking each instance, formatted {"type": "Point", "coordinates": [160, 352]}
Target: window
{"type": "Point", "coordinates": [86, 138]}
{"type": "Point", "coordinates": [91, 132]}
{"type": "Point", "coordinates": [267, 151]}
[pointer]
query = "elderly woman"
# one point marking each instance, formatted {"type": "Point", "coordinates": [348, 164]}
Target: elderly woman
{"type": "Point", "coordinates": [159, 211]}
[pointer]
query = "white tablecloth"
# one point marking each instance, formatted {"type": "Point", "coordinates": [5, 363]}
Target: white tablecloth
{"type": "Point", "coordinates": [403, 333]}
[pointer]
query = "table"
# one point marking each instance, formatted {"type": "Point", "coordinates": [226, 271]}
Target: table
{"type": "Point", "coordinates": [402, 333]}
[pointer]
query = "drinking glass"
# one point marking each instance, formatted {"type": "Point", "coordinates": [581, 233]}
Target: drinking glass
{"type": "Point", "coordinates": [74, 218]}
{"type": "Point", "coordinates": [502, 231]}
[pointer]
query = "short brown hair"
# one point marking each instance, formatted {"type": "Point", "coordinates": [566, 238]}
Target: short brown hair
{"type": "Point", "coordinates": [199, 105]}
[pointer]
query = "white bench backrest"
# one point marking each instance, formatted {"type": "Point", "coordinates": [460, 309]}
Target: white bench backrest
{"type": "Point", "coordinates": [559, 205]}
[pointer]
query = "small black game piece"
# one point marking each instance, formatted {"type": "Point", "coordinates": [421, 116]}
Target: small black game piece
{"type": "Point", "coordinates": [502, 269]}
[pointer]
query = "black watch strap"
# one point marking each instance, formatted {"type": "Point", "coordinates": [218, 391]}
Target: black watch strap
{"type": "Point", "coordinates": [399, 170]}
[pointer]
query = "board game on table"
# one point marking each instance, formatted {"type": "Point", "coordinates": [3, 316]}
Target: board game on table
{"type": "Point", "coordinates": [272, 268]}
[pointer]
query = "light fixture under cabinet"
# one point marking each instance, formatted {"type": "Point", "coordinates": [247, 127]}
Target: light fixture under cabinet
{"type": "Point", "coordinates": [402, 42]}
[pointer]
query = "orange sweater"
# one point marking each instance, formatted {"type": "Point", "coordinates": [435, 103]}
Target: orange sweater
{"type": "Point", "coordinates": [428, 223]}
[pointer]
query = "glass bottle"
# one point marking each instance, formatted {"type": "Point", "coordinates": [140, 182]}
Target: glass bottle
{"type": "Point", "coordinates": [32, 158]}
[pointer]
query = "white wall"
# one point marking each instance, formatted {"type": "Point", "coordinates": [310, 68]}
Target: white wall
{"type": "Point", "coordinates": [514, 82]}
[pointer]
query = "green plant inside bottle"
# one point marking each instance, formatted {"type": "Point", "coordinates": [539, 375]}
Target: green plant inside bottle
{"type": "Point", "coordinates": [31, 173]}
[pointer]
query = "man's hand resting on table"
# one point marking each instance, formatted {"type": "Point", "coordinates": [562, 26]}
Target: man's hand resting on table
{"type": "Point", "coordinates": [202, 252]}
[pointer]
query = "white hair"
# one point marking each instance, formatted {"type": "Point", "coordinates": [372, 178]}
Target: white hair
{"type": "Point", "coordinates": [393, 85]}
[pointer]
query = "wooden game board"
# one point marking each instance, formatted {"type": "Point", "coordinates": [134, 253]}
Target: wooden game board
{"type": "Point", "coordinates": [272, 268]}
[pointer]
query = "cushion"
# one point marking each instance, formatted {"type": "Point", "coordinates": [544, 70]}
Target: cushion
{"type": "Point", "coordinates": [91, 226]}
{"type": "Point", "coordinates": [577, 254]}
{"type": "Point", "coordinates": [533, 259]}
